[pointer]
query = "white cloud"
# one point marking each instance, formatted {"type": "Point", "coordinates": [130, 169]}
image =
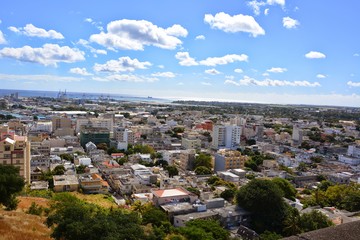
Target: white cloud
{"type": "Point", "coordinates": [247, 81]}
{"type": "Point", "coordinates": [231, 82]}
{"type": "Point", "coordinates": [123, 64]}
{"type": "Point", "coordinates": [48, 54]}
{"type": "Point", "coordinates": [80, 71]}
{"type": "Point", "coordinates": [96, 24]}
{"type": "Point", "coordinates": [125, 78]}
{"type": "Point", "coordinates": [46, 78]}
{"type": "Point", "coordinates": [85, 44]}
{"type": "Point", "coordinates": [177, 31]}
{"type": "Point", "coordinates": [2, 38]}
{"type": "Point", "coordinates": [238, 70]}
{"type": "Point", "coordinates": [266, 74]}
{"type": "Point", "coordinates": [256, 5]}
{"type": "Point", "coordinates": [273, 2]}
{"type": "Point", "coordinates": [0, 21]}
{"type": "Point", "coordinates": [200, 37]}
{"type": "Point", "coordinates": [356, 55]}
{"type": "Point", "coordinates": [14, 29]}
{"type": "Point", "coordinates": [353, 84]}
{"type": "Point", "coordinates": [32, 31]}
{"type": "Point", "coordinates": [266, 11]}
{"type": "Point", "coordinates": [161, 66]}
{"type": "Point", "coordinates": [321, 76]}
{"type": "Point", "coordinates": [230, 58]}
{"type": "Point", "coordinates": [185, 59]}
{"type": "Point", "coordinates": [99, 51]}
{"type": "Point", "coordinates": [290, 23]}
{"type": "Point", "coordinates": [135, 34]}
{"type": "Point", "coordinates": [212, 71]}
{"type": "Point", "coordinates": [313, 54]}
{"type": "Point", "coordinates": [180, 83]}
{"type": "Point", "coordinates": [164, 74]}
{"type": "Point", "coordinates": [236, 23]}
{"type": "Point", "coordinates": [206, 83]}
{"type": "Point", "coordinates": [277, 70]}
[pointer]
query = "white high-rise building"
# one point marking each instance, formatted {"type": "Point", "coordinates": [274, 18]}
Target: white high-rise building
{"type": "Point", "coordinates": [226, 136]}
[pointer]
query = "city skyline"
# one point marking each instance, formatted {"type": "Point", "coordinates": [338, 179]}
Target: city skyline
{"type": "Point", "coordinates": [270, 51]}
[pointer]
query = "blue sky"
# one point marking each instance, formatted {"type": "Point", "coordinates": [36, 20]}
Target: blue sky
{"type": "Point", "coordinates": [269, 51]}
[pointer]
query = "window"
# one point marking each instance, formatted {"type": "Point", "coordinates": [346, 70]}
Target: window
{"type": "Point", "coordinates": [4, 162]}
{"type": "Point", "coordinates": [17, 161]}
{"type": "Point", "coordinates": [7, 155]}
{"type": "Point", "coordinates": [6, 148]}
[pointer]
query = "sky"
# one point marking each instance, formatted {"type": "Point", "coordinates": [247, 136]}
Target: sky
{"type": "Point", "coordinates": [263, 51]}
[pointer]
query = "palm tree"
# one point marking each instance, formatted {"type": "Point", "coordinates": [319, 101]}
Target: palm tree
{"type": "Point", "coordinates": [292, 222]}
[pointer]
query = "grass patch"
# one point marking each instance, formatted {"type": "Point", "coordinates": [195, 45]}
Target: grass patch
{"type": "Point", "coordinates": [101, 200]}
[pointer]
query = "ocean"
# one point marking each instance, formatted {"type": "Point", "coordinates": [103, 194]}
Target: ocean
{"type": "Point", "coordinates": [78, 95]}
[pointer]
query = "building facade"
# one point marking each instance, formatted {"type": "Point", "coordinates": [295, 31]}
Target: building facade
{"type": "Point", "coordinates": [15, 150]}
{"type": "Point", "coordinates": [228, 159]}
{"type": "Point", "coordinates": [226, 136]}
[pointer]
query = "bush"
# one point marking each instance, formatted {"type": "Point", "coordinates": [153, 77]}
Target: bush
{"type": "Point", "coordinates": [35, 209]}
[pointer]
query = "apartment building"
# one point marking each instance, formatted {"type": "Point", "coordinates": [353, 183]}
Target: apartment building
{"type": "Point", "coordinates": [226, 136]}
{"type": "Point", "coordinates": [228, 159]}
{"type": "Point", "coordinates": [107, 123]}
{"type": "Point", "coordinates": [15, 150]}
{"type": "Point", "coordinates": [124, 135]}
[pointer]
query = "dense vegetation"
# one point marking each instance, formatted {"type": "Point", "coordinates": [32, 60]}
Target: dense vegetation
{"type": "Point", "coordinates": [11, 183]}
{"type": "Point", "coordinates": [341, 196]}
{"type": "Point", "coordinates": [72, 218]}
{"type": "Point", "coordinates": [264, 198]}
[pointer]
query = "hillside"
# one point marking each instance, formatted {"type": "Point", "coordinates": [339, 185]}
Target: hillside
{"type": "Point", "coordinates": [19, 225]}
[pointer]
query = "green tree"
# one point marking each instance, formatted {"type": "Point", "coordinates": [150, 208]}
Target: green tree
{"type": "Point", "coordinates": [302, 167]}
{"type": "Point", "coordinates": [228, 194]}
{"type": "Point", "coordinates": [67, 157]}
{"type": "Point", "coordinates": [204, 229]}
{"type": "Point", "coordinates": [102, 146]}
{"type": "Point", "coordinates": [172, 170]}
{"type": "Point", "coordinates": [324, 185]}
{"type": "Point", "coordinates": [162, 163]}
{"type": "Point", "coordinates": [201, 170]}
{"type": "Point", "coordinates": [257, 196]}
{"type": "Point", "coordinates": [73, 219]}
{"type": "Point", "coordinates": [122, 160]}
{"type": "Point", "coordinates": [250, 142]}
{"type": "Point", "coordinates": [270, 236]}
{"type": "Point", "coordinates": [203, 160]}
{"type": "Point", "coordinates": [286, 187]}
{"type": "Point", "coordinates": [47, 176]}
{"type": "Point", "coordinates": [213, 180]}
{"type": "Point", "coordinates": [59, 170]}
{"type": "Point", "coordinates": [80, 169]}
{"type": "Point", "coordinates": [314, 220]}
{"type": "Point", "coordinates": [251, 164]}
{"type": "Point", "coordinates": [11, 183]}
{"type": "Point", "coordinates": [154, 216]}
{"type": "Point", "coordinates": [112, 150]}
{"type": "Point", "coordinates": [292, 222]}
